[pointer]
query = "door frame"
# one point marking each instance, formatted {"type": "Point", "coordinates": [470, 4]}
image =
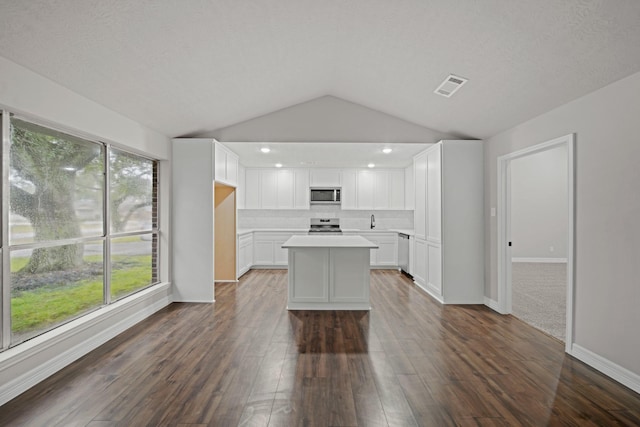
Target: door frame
{"type": "Point", "coordinates": [504, 226]}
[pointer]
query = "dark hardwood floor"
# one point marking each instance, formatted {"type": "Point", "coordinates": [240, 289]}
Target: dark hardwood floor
{"type": "Point", "coordinates": [246, 360]}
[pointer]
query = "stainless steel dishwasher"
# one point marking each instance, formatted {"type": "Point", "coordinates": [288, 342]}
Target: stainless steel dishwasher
{"type": "Point", "coordinates": [403, 253]}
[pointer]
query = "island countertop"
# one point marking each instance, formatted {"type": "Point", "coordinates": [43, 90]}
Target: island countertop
{"type": "Point", "coordinates": [310, 241]}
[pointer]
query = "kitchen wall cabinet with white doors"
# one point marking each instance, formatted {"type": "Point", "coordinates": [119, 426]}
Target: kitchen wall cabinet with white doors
{"type": "Point", "coordinates": [364, 189]}
{"type": "Point", "coordinates": [373, 189]}
{"type": "Point", "coordinates": [449, 221]}
{"type": "Point", "coordinates": [271, 188]}
{"type": "Point", "coordinates": [226, 165]}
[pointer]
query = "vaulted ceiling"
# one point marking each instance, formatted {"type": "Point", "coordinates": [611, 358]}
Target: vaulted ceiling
{"type": "Point", "coordinates": [189, 67]}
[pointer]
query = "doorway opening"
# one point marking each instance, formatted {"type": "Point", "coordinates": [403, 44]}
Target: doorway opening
{"type": "Point", "coordinates": [536, 234]}
{"type": "Point", "coordinates": [224, 233]}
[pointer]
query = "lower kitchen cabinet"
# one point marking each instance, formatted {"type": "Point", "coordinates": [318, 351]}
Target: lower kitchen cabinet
{"type": "Point", "coordinates": [245, 253]}
{"type": "Point", "coordinates": [267, 248]}
{"type": "Point", "coordinates": [419, 268]}
{"type": "Point", "coordinates": [263, 249]}
{"type": "Point", "coordinates": [387, 253]}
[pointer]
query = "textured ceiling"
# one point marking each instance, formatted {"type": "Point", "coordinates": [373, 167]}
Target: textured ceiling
{"type": "Point", "coordinates": [187, 67]}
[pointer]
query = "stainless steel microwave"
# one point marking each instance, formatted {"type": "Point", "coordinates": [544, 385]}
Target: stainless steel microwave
{"type": "Point", "coordinates": [325, 196]}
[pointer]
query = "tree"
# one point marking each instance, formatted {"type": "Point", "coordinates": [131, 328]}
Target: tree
{"type": "Point", "coordinates": [44, 167]}
{"type": "Point", "coordinates": [131, 187]}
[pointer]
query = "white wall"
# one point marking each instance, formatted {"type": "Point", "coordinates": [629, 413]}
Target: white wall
{"type": "Point", "coordinates": [607, 229]}
{"type": "Point", "coordinates": [539, 205]}
{"type": "Point", "coordinates": [26, 93]}
{"type": "Point", "coordinates": [327, 119]}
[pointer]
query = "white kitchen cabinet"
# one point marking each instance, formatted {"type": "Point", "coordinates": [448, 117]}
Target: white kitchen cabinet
{"type": "Point", "coordinates": [412, 255]}
{"type": "Point", "coordinates": [284, 189]}
{"type": "Point", "coordinates": [245, 253]}
{"type": "Point", "coordinates": [241, 188]}
{"type": "Point", "coordinates": [419, 268]}
{"type": "Point", "coordinates": [267, 248]}
{"type": "Point", "coordinates": [381, 196]}
{"type": "Point", "coordinates": [420, 198]}
{"type": "Point", "coordinates": [269, 189]}
{"type": "Point", "coordinates": [349, 188]}
{"type": "Point", "coordinates": [262, 250]}
{"type": "Point", "coordinates": [252, 189]}
{"type": "Point", "coordinates": [434, 194]}
{"type": "Point", "coordinates": [325, 177]}
{"type": "Point", "coordinates": [448, 221]}
{"type": "Point", "coordinates": [386, 255]}
{"type": "Point", "coordinates": [301, 188]}
{"type": "Point", "coordinates": [226, 165]}
{"type": "Point", "coordinates": [396, 189]}
{"type": "Point", "coordinates": [365, 189]}
{"type": "Point", "coordinates": [409, 193]}
{"type": "Point", "coordinates": [277, 188]}
{"type": "Point", "coordinates": [434, 267]}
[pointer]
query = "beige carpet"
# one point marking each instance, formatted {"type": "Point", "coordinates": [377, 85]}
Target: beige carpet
{"type": "Point", "coordinates": [539, 296]}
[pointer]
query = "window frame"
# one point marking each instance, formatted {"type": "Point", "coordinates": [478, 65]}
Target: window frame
{"type": "Point", "coordinates": [106, 237]}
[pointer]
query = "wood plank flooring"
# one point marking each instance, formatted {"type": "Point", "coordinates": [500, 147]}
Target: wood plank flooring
{"type": "Point", "coordinates": [246, 360]}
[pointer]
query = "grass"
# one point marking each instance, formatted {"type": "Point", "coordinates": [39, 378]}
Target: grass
{"type": "Point", "coordinates": [39, 309]}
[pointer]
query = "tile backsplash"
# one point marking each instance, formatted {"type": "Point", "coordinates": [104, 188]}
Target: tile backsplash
{"type": "Point", "coordinates": [288, 219]}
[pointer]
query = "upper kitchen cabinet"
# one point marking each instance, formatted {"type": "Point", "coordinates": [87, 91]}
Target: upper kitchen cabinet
{"type": "Point", "coordinates": [325, 178]}
{"type": "Point", "coordinates": [371, 189]}
{"type": "Point", "coordinates": [349, 179]}
{"type": "Point", "coordinates": [271, 188]}
{"type": "Point", "coordinates": [449, 221]}
{"type": "Point", "coordinates": [226, 165]}
{"type": "Point", "coordinates": [365, 189]}
{"type": "Point", "coordinates": [409, 193]}
{"type": "Point", "coordinates": [241, 188]}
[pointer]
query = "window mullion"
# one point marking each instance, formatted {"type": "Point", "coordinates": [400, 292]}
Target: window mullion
{"type": "Point", "coordinates": [107, 226]}
{"type": "Point", "coordinates": [5, 296]}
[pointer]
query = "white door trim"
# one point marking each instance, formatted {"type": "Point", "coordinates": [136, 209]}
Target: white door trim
{"type": "Point", "coordinates": [504, 226]}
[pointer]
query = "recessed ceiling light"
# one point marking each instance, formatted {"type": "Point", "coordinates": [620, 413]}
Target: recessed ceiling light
{"type": "Point", "coordinates": [371, 165]}
{"type": "Point", "coordinates": [265, 149]}
{"type": "Point", "coordinates": [278, 165]}
{"type": "Point", "coordinates": [386, 150]}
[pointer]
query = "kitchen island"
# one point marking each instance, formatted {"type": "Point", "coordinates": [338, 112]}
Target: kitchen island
{"type": "Point", "coordinates": [329, 272]}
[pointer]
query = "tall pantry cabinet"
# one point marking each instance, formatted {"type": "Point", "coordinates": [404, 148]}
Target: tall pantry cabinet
{"type": "Point", "coordinates": [449, 222]}
{"type": "Point", "coordinates": [204, 179]}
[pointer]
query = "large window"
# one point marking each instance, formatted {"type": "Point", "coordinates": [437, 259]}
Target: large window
{"type": "Point", "coordinates": [79, 222]}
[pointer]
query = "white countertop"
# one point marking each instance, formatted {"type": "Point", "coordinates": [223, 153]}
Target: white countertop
{"type": "Point", "coordinates": [305, 230]}
{"type": "Point", "coordinates": [272, 230]}
{"type": "Point", "coordinates": [328, 242]}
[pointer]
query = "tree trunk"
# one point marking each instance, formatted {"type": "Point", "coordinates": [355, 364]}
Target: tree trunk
{"type": "Point", "coordinates": [54, 218]}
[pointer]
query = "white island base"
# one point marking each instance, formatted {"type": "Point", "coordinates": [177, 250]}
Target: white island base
{"type": "Point", "coordinates": [329, 272]}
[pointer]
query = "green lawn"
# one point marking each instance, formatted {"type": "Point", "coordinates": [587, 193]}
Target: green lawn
{"type": "Point", "coordinates": [41, 308]}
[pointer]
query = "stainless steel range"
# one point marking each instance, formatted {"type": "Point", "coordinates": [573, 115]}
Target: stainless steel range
{"type": "Point", "coordinates": [325, 226]}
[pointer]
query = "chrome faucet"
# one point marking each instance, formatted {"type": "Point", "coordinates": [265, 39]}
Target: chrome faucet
{"type": "Point", "coordinates": [373, 222]}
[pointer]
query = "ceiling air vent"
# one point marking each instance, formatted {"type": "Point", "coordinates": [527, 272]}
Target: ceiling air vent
{"type": "Point", "coordinates": [450, 85]}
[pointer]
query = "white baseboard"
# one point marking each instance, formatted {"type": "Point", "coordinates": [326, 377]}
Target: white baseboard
{"type": "Point", "coordinates": [545, 260]}
{"type": "Point", "coordinates": [607, 367]}
{"type": "Point", "coordinates": [493, 305]}
{"type": "Point", "coordinates": [27, 364]}
{"type": "Point", "coordinates": [430, 292]}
